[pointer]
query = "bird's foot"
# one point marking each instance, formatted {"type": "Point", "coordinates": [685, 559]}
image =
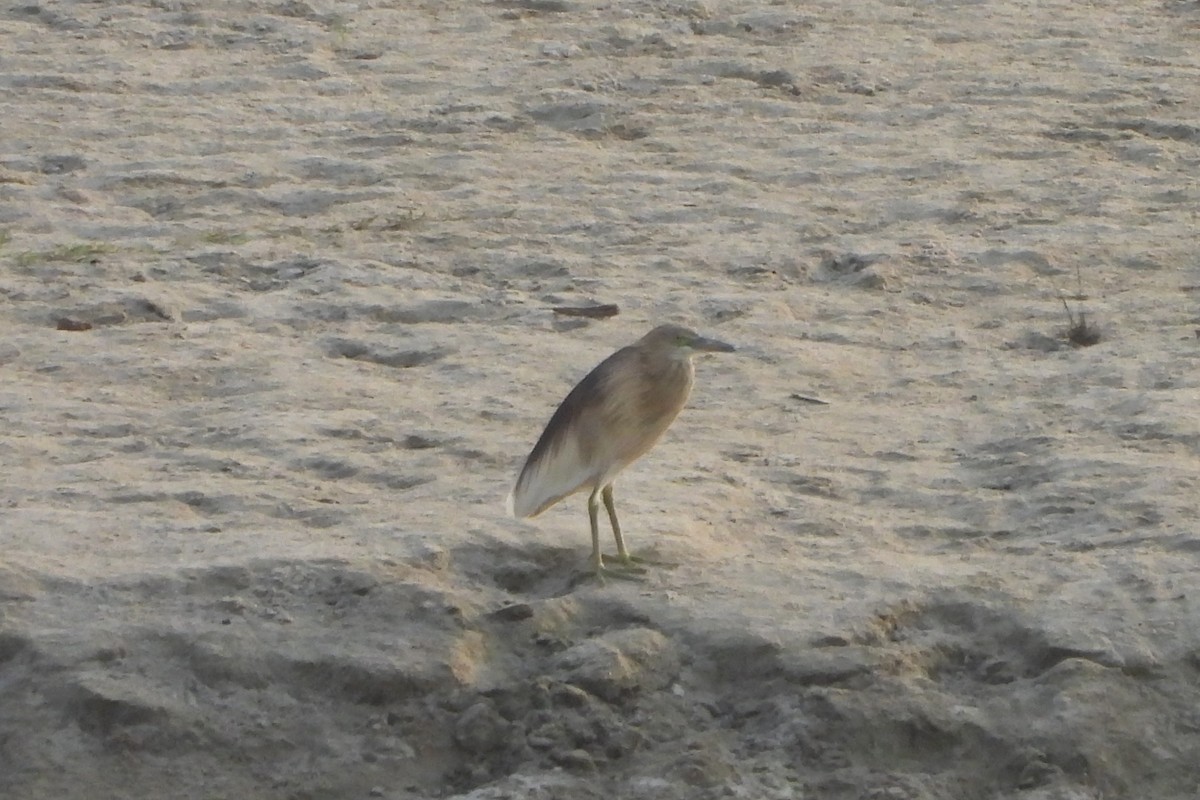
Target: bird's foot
{"type": "Point", "coordinates": [632, 562]}
{"type": "Point", "coordinates": [620, 573]}
{"type": "Point", "coordinates": [604, 574]}
{"type": "Point", "coordinates": [625, 571]}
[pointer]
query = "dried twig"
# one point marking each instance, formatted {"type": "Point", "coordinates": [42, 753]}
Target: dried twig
{"type": "Point", "coordinates": [803, 398]}
{"type": "Point", "coordinates": [593, 312]}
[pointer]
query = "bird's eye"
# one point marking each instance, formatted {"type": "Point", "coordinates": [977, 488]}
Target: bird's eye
{"type": "Point", "coordinates": [682, 341]}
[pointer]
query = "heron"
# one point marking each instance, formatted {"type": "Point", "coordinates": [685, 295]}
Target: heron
{"type": "Point", "coordinates": [609, 420]}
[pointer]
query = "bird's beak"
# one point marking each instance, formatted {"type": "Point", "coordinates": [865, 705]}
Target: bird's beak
{"type": "Point", "coordinates": [712, 345]}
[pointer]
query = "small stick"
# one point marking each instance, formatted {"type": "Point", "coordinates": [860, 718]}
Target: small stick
{"type": "Point", "coordinates": [594, 312]}
{"type": "Point", "coordinates": [806, 399]}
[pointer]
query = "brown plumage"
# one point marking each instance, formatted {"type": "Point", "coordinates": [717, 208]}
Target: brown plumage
{"type": "Point", "coordinates": [609, 420]}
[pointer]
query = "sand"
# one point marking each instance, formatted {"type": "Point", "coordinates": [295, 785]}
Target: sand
{"type": "Point", "coordinates": [276, 281]}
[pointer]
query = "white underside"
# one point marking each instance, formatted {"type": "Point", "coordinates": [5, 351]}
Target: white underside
{"type": "Point", "coordinates": [549, 480]}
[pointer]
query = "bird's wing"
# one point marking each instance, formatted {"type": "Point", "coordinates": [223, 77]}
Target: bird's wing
{"type": "Point", "coordinates": [565, 459]}
{"type": "Point", "coordinates": [559, 472]}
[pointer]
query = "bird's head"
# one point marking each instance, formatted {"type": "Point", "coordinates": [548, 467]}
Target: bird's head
{"type": "Point", "coordinates": [684, 342]}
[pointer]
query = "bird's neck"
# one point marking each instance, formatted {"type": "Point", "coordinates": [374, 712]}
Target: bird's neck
{"type": "Point", "coordinates": [677, 370]}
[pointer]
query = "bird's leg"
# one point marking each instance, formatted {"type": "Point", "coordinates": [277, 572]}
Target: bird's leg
{"type": "Point", "coordinates": [626, 557]}
{"type": "Point", "coordinates": [598, 568]}
{"type": "Point", "coordinates": [593, 513]}
{"type": "Point", "coordinates": [622, 552]}
{"type": "Point", "coordinates": [607, 494]}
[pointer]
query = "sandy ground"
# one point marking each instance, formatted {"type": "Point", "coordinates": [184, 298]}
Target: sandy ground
{"type": "Point", "coordinates": [275, 338]}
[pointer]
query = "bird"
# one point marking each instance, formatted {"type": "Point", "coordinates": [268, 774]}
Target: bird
{"type": "Point", "coordinates": [609, 420]}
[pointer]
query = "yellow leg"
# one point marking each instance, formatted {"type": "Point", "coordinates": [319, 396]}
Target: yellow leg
{"type": "Point", "coordinates": [607, 494]}
{"type": "Point", "coordinates": [593, 513]}
{"type": "Point", "coordinates": [598, 569]}
{"type": "Point", "coordinates": [627, 559]}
